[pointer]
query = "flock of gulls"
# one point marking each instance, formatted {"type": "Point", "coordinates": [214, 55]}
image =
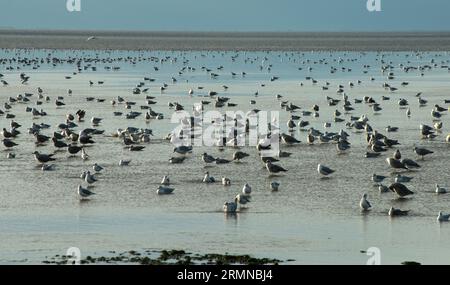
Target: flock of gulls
{"type": "Point", "coordinates": [68, 137]}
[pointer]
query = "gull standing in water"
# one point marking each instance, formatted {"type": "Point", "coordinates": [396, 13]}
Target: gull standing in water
{"type": "Point", "coordinates": [422, 151]}
{"type": "Point", "coordinates": [397, 212]}
{"type": "Point", "coordinates": [84, 155]}
{"type": "Point", "coordinates": [246, 190]}
{"type": "Point", "coordinates": [364, 204]}
{"type": "Point", "coordinates": [230, 207]}
{"type": "Point", "coordinates": [443, 217]}
{"type": "Point", "coordinates": [242, 199]}
{"type": "Point", "coordinates": [84, 193]}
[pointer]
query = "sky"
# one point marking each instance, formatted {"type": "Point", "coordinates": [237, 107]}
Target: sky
{"type": "Point", "coordinates": [227, 15]}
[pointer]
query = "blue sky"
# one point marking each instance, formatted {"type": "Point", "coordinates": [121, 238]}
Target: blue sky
{"type": "Point", "coordinates": [227, 15]}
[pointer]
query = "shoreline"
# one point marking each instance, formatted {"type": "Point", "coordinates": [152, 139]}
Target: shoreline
{"type": "Point", "coordinates": [225, 41]}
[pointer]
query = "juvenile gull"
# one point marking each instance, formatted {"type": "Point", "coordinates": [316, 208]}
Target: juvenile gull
{"type": "Point", "coordinates": [422, 151]}
{"type": "Point", "coordinates": [400, 189]}
{"type": "Point", "coordinates": [43, 158]}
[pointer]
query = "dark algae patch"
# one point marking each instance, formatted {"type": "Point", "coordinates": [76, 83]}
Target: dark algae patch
{"type": "Point", "coordinates": [165, 257]}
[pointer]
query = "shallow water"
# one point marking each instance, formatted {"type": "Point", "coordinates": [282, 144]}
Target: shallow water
{"type": "Point", "coordinates": [310, 220]}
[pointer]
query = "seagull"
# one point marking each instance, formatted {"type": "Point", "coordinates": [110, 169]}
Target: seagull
{"type": "Point", "coordinates": [246, 190]}
{"type": "Point", "coordinates": [364, 204]}
{"type": "Point", "coordinates": [97, 168]}
{"type": "Point", "coordinates": [9, 143]}
{"type": "Point", "coordinates": [162, 190]}
{"type": "Point", "coordinates": [230, 207]}
{"type": "Point", "coordinates": [226, 181]}
{"type": "Point", "coordinates": [383, 189]}
{"type": "Point", "coordinates": [183, 149]}
{"type": "Point", "coordinates": [274, 185]}
{"type": "Point", "coordinates": [400, 189]}
{"type": "Point", "coordinates": [422, 152]}
{"type": "Point", "coordinates": [165, 180]}
{"type": "Point", "coordinates": [238, 155]}
{"type": "Point", "coordinates": [397, 155]}
{"type": "Point", "coordinates": [440, 190]}
{"type": "Point", "coordinates": [409, 163]}
{"type": "Point", "coordinates": [43, 158]}
{"type": "Point", "coordinates": [397, 212]}
{"type": "Point", "coordinates": [123, 162]}
{"type": "Point", "coordinates": [208, 179]}
{"type": "Point", "coordinates": [207, 158]}
{"type": "Point", "coordinates": [289, 140]}
{"type": "Point", "coordinates": [47, 167]}
{"type": "Point", "coordinates": [323, 170]}
{"type": "Point", "coordinates": [89, 178]}
{"type": "Point", "coordinates": [84, 193]}
{"type": "Point", "coordinates": [395, 163]}
{"type": "Point", "coordinates": [443, 217]}
{"type": "Point", "coordinates": [402, 179]}
{"type": "Point", "coordinates": [378, 178]}
{"type": "Point", "coordinates": [242, 199]}
{"type": "Point", "coordinates": [91, 38]}
{"type": "Point", "coordinates": [84, 155]}
{"type": "Point", "coordinates": [273, 168]}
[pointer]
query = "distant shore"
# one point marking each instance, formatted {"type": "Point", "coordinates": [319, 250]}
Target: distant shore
{"type": "Point", "coordinates": [222, 41]}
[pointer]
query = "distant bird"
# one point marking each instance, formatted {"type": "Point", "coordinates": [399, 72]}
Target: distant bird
{"type": "Point", "coordinates": [176, 160]}
{"type": "Point", "coordinates": [378, 178]}
{"type": "Point", "coordinates": [273, 168]}
{"type": "Point", "coordinates": [443, 217]}
{"type": "Point", "coordinates": [440, 190]}
{"type": "Point", "coordinates": [397, 212]}
{"type": "Point", "coordinates": [246, 190]}
{"type": "Point", "coordinates": [97, 168]}
{"type": "Point", "coordinates": [364, 204]}
{"type": "Point", "coordinates": [274, 185]}
{"type": "Point", "coordinates": [165, 180]}
{"type": "Point", "coordinates": [164, 190]}
{"type": "Point", "coordinates": [183, 149]}
{"type": "Point", "coordinates": [9, 143]}
{"type": "Point", "coordinates": [238, 155]}
{"type": "Point", "coordinates": [395, 163]}
{"type": "Point", "coordinates": [400, 189]}
{"type": "Point", "coordinates": [91, 38]}
{"type": "Point", "coordinates": [422, 152]}
{"type": "Point", "coordinates": [43, 158]}
{"type": "Point", "coordinates": [207, 158]}
{"type": "Point", "coordinates": [90, 179]}
{"type": "Point", "coordinates": [124, 162]}
{"type": "Point", "coordinates": [226, 181]}
{"type": "Point", "coordinates": [231, 207]}
{"type": "Point", "coordinates": [208, 179]}
{"type": "Point", "coordinates": [242, 199]}
{"type": "Point", "coordinates": [84, 193]}
{"type": "Point", "coordinates": [402, 179]}
{"type": "Point", "coordinates": [324, 170]}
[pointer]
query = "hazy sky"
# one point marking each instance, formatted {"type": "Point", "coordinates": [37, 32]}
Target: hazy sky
{"type": "Point", "coordinates": [227, 15]}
